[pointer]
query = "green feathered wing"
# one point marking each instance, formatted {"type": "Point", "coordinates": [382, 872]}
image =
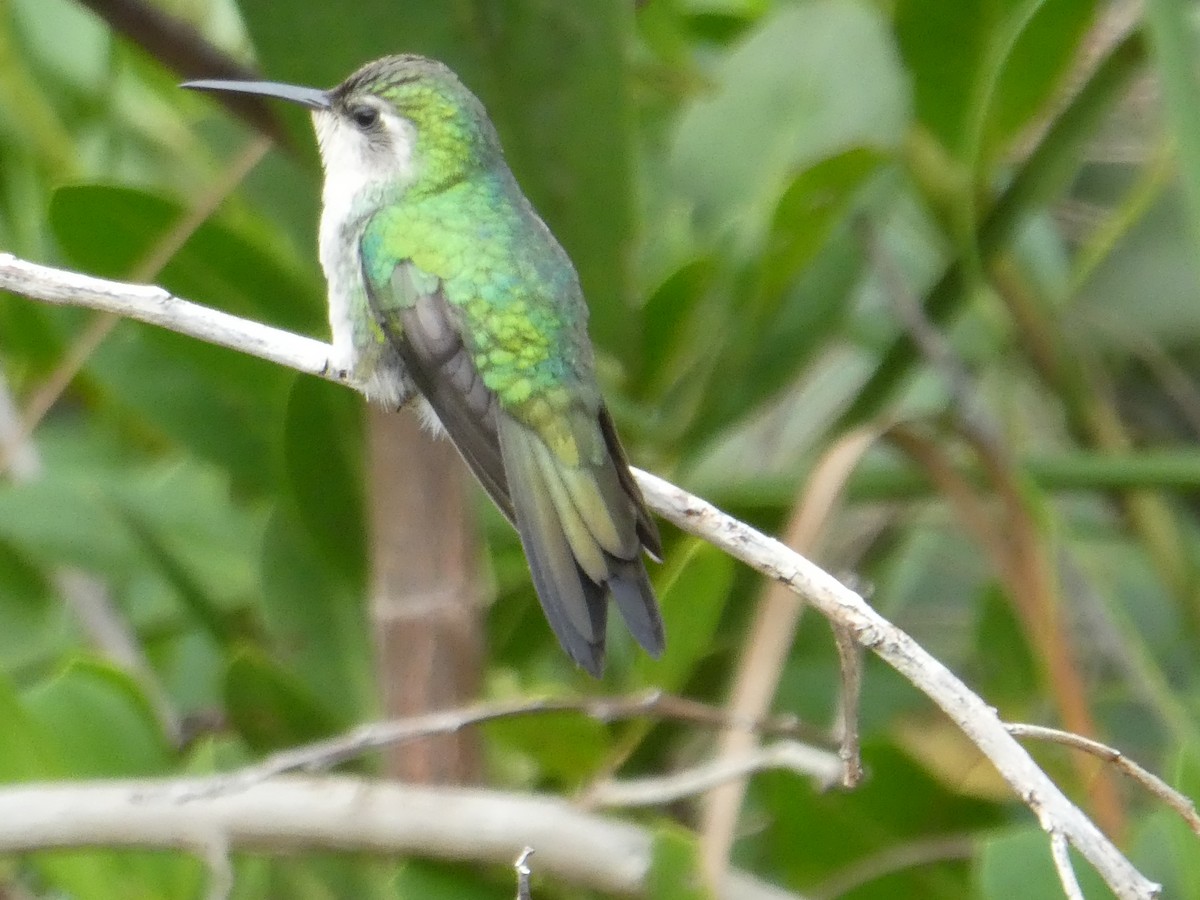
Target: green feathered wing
{"type": "Point", "coordinates": [510, 379]}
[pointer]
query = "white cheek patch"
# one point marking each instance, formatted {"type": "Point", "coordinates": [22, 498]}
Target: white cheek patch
{"type": "Point", "coordinates": [354, 161]}
{"type": "Point", "coordinates": [403, 136]}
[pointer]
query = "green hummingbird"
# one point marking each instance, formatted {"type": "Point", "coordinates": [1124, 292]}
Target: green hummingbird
{"type": "Point", "coordinates": [446, 289]}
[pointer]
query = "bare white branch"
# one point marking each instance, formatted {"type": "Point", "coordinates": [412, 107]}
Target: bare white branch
{"type": "Point", "coordinates": [325, 754]}
{"type": "Point", "coordinates": [848, 610]}
{"type": "Point", "coordinates": [822, 766]}
{"type": "Point", "coordinates": [153, 305]}
{"type": "Point", "coordinates": [1148, 780]}
{"type": "Point", "coordinates": [340, 813]}
{"type": "Point", "coordinates": [1062, 862]}
{"type": "Point", "coordinates": [220, 868]}
{"type": "Point", "coordinates": [524, 873]}
{"type": "Point", "coordinates": [842, 606]}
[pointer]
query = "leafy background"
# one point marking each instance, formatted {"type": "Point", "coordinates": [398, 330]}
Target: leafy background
{"type": "Point", "coordinates": [973, 223]}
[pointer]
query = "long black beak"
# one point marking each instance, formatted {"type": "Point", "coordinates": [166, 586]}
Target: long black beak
{"type": "Point", "coordinates": [313, 98]}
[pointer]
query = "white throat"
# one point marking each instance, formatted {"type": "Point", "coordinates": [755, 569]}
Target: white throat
{"type": "Point", "coordinates": [359, 170]}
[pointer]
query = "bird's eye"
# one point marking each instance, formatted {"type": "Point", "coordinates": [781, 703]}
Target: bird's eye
{"type": "Point", "coordinates": [364, 116]}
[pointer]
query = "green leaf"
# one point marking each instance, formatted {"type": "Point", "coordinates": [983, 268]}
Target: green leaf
{"type": "Point", "coordinates": [1173, 40]}
{"type": "Point", "coordinates": [34, 330]}
{"type": "Point", "coordinates": [1146, 281]}
{"type": "Point", "coordinates": [203, 608]}
{"type": "Point", "coordinates": [671, 330]}
{"type": "Point", "coordinates": [33, 624]}
{"type": "Point", "coordinates": [1008, 54]}
{"type": "Point", "coordinates": [697, 585]}
{"type": "Point", "coordinates": [26, 750]}
{"type": "Point", "coordinates": [787, 97]}
{"type": "Point", "coordinates": [675, 870]}
{"type": "Point", "coordinates": [220, 403]}
{"type": "Point", "coordinates": [63, 521]}
{"type": "Point", "coordinates": [102, 722]}
{"type": "Point", "coordinates": [317, 876]}
{"type": "Point", "coordinates": [270, 707]}
{"type": "Point", "coordinates": [68, 41]}
{"type": "Point", "coordinates": [567, 748]}
{"type": "Point", "coordinates": [316, 623]}
{"type": "Point", "coordinates": [1006, 671]}
{"type": "Point", "coordinates": [758, 363]}
{"type": "Point", "coordinates": [818, 200]}
{"type": "Point", "coordinates": [1166, 847]}
{"type": "Point", "coordinates": [1164, 850]}
{"type": "Point", "coordinates": [899, 804]}
{"type": "Point", "coordinates": [1017, 863]}
{"type": "Point", "coordinates": [31, 750]}
{"type": "Point", "coordinates": [108, 231]}
{"type": "Point", "coordinates": [796, 295]}
{"type": "Point", "coordinates": [322, 453]}
{"type": "Point", "coordinates": [943, 45]}
{"type": "Point", "coordinates": [95, 722]}
{"type": "Point", "coordinates": [1034, 68]}
{"type": "Point", "coordinates": [437, 881]}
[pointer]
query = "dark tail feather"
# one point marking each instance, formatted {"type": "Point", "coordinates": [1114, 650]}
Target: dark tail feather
{"type": "Point", "coordinates": [562, 551]}
{"type": "Point", "coordinates": [574, 605]}
{"type": "Point", "coordinates": [646, 528]}
{"type": "Point", "coordinates": [631, 591]}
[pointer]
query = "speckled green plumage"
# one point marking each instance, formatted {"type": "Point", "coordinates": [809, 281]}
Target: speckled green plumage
{"type": "Point", "coordinates": [523, 317]}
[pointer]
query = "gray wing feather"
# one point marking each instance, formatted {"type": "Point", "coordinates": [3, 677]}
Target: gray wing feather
{"type": "Point", "coordinates": [573, 567]}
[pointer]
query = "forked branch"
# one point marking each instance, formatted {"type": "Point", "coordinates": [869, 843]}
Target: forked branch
{"type": "Point", "coordinates": [846, 610]}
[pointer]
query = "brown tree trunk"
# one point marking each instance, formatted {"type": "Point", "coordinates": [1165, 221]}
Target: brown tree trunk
{"type": "Point", "coordinates": [427, 593]}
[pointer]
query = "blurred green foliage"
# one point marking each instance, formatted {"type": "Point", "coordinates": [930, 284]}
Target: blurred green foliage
{"type": "Point", "coordinates": [758, 194]}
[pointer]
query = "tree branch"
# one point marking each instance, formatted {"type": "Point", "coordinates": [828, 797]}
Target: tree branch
{"type": "Point", "coordinates": [324, 755]}
{"type": "Point", "coordinates": [523, 874]}
{"type": "Point", "coordinates": [842, 606]}
{"type": "Point", "coordinates": [340, 813]}
{"type": "Point", "coordinates": [1149, 781]}
{"type": "Point", "coordinates": [822, 766]}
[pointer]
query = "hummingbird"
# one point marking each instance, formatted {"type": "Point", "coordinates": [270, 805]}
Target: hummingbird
{"type": "Point", "coordinates": [448, 292]}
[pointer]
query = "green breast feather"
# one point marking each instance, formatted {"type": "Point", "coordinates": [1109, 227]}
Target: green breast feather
{"type": "Point", "coordinates": [520, 310]}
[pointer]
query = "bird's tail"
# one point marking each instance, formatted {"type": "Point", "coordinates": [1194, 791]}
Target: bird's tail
{"type": "Point", "coordinates": [583, 529]}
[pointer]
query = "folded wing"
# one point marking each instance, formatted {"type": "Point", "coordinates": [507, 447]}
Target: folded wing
{"type": "Point", "coordinates": [581, 519]}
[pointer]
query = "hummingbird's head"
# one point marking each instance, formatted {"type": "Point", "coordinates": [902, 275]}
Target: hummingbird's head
{"type": "Point", "coordinates": [398, 122]}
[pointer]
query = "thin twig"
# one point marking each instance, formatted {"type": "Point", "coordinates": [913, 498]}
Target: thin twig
{"type": "Point", "coordinates": [894, 859]}
{"type": "Point", "coordinates": [845, 608]}
{"type": "Point", "coordinates": [323, 755]}
{"type": "Point", "coordinates": [1061, 851]}
{"type": "Point", "coordinates": [1151, 782]}
{"type": "Point", "coordinates": [523, 874]}
{"type": "Point", "coordinates": [850, 664]}
{"type": "Point", "coordinates": [24, 462]}
{"type": "Point", "coordinates": [823, 767]}
{"type": "Point", "coordinates": [1018, 546]}
{"type": "Point", "coordinates": [842, 606]}
{"type": "Point", "coordinates": [765, 647]}
{"type": "Point", "coordinates": [220, 867]}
